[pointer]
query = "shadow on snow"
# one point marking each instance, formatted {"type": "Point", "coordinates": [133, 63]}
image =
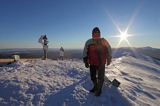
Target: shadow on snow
{"type": "Point", "coordinates": [77, 94]}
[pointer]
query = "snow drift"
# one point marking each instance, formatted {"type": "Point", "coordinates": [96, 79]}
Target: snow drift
{"type": "Point", "coordinates": [66, 83]}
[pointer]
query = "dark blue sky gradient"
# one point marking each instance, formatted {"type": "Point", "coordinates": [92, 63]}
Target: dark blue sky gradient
{"type": "Point", "coordinates": [69, 23]}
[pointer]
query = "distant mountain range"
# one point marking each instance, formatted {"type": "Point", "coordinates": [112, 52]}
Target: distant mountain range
{"type": "Point", "coordinates": [78, 53]}
{"type": "Point", "coordinates": [38, 53]}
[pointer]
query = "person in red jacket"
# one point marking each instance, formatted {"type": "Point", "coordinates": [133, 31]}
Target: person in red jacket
{"type": "Point", "coordinates": [96, 53]}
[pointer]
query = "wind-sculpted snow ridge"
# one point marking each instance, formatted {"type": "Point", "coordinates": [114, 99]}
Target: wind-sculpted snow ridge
{"type": "Point", "coordinates": [66, 83]}
{"type": "Point", "coordinates": [140, 80]}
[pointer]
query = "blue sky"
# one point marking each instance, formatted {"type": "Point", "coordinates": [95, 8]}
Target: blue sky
{"type": "Point", "coordinates": [69, 23]}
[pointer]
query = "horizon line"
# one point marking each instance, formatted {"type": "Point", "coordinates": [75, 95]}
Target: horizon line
{"type": "Point", "coordinates": [81, 48]}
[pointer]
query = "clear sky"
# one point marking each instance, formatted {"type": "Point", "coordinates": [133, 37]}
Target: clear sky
{"type": "Point", "coordinates": [69, 23]}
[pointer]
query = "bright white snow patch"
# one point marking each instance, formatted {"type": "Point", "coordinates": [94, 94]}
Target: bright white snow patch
{"type": "Point", "coordinates": [66, 83]}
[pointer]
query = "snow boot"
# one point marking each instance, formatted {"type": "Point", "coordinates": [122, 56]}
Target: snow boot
{"type": "Point", "coordinates": [98, 93]}
{"type": "Point", "coordinates": [93, 90]}
{"type": "Point", "coordinates": [94, 87]}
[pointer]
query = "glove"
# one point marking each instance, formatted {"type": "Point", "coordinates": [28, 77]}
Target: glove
{"type": "Point", "coordinates": [86, 65]}
{"type": "Point", "coordinates": [85, 60]}
{"type": "Point", "coordinates": [109, 61]}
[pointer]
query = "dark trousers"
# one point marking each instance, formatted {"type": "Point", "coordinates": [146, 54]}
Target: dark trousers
{"type": "Point", "coordinates": [45, 54]}
{"type": "Point", "coordinates": [97, 74]}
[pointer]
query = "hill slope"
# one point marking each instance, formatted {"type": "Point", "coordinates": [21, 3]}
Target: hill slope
{"type": "Point", "coordinates": [66, 83]}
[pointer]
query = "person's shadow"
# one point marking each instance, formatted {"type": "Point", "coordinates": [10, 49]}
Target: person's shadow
{"type": "Point", "coordinates": [77, 94]}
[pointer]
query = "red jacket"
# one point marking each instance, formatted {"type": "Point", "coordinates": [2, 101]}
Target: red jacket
{"type": "Point", "coordinates": [97, 51]}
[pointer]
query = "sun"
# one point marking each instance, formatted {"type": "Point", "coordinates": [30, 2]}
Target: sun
{"type": "Point", "coordinates": [124, 35]}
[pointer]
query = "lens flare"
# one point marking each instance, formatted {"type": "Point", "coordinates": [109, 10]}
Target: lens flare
{"type": "Point", "coordinates": [123, 35]}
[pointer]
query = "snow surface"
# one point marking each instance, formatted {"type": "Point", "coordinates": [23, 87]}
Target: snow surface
{"type": "Point", "coordinates": [66, 83]}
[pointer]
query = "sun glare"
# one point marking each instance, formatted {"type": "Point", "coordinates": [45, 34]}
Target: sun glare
{"type": "Point", "coordinates": [124, 35]}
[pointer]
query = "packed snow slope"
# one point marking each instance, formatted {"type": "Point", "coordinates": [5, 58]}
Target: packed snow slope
{"type": "Point", "coordinates": [66, 83]}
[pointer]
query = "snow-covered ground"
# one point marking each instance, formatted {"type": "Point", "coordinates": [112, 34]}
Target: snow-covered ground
{"type": "Point", "coordinates": [66, 83]}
